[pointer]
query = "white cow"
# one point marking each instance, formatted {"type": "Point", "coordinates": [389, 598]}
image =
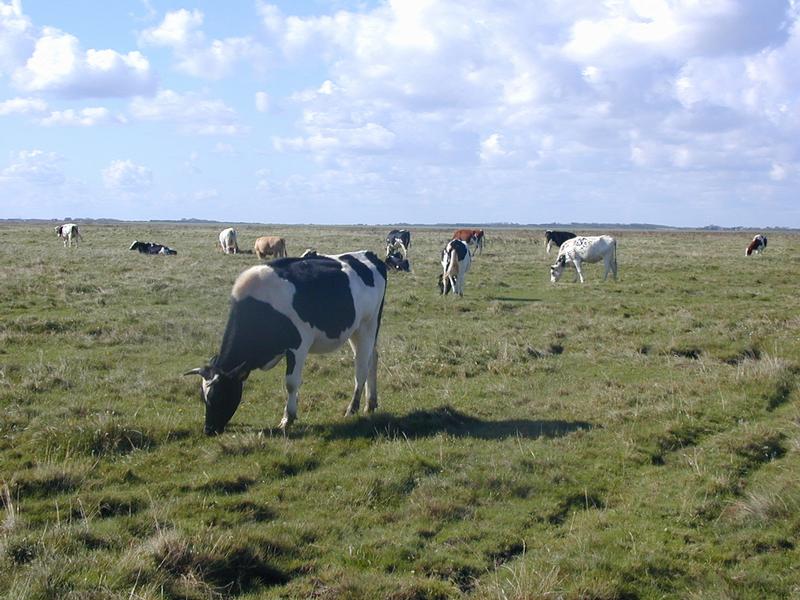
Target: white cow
{"type": "Point", "coordinates": [455, 264]}
{"type": "Point", "coordinates": [579, 250]}
{"type": "Point", "coordinates": [69, 232]}
{"type": "Point", "coordinates": [227, 241]}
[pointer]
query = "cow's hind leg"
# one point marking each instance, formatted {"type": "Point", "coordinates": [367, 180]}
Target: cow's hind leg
{"type": "Point", "coordinates": [294, 370]}
{"type": "Point", "coordinates": [362, 345]}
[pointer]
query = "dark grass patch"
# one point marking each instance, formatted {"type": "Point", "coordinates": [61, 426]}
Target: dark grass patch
{"type": "Point", "coordinates": [778, 390]}
{"type": "Point", "coordinates": [115, 506]}
{"type": "Point", "coordinates": [691, 352]}
{"type": "Point", "coordinates": [253, 511]}
{"type": "Point", "coordinates": [23, 549]}
{"type": "Point", "coordinates": [739, 356]}
{"type": "Point", "coordinates": [290, 466]}
{"type": "Point", "coordinates": [231, 567]}
{"type": "Point", "coordinates": [676, 437]}
{"type": "Point", "coordinates": [758, 448]}
{"type": "Point", "coordinates": [44, 482]}
{"type": "Point", "coordinates": [575, 503]}
{"type": "Point", "coordinates": [224, 485]}
{"type": "Point", "coordinates": [459, 571]}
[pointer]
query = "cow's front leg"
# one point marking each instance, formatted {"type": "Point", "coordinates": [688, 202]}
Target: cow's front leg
{"type": "Point", "coordinates": [293, 379]}
{"type": "Point", "coordinates": [578, 270]}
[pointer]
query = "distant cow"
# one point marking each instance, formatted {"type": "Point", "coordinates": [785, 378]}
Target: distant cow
{"type": "Point", "coordinates": [270, 245]}
{"type": "Point", "coordinates": [289, 308]}
{"type": "Point", "coordinates": [579, 250]}
{"type": "Point", "coordinates": [556, 238]}
{"type": "Point", "coordinates": [398, 240]}
{"type": "Point", "coordinates": [470, 236]}
{"type": "Point", "coordinates": [759, 244]}
{"type": "Point", "coordinates": [455, 264]}
{"type": "Point", "coordinates": [69, 232]}
{"type": "Point", "coordinates": [227, 241]}
{"type": "Point", "coordinates": [151, 248]}
{"type": "Point", "coordinates": [396, 261]}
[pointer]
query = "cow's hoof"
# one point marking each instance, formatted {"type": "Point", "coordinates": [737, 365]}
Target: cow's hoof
{"type": "Point", "coordinates": [285, 423]}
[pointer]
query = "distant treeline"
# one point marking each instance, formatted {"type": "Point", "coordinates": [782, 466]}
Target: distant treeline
{"type": "Point", "coordinates": [502, 225]}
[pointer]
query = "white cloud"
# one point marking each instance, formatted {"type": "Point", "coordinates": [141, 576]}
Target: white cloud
{"type": "Point", "coordinates": [85, 117]}
{"type": "Point", "coordinates": [127, 176]}
{"type": "Point", "coordinates": [180, 31]}
{"type": "Point", "coordinates": [191, 113]}
{"type": "Point", "coordinates": [59, 65]}
{"type": "Point", "coordinates": [17, 37]}
{"type": "Point", "coordinates": [35, 166]}
{"type": "Point", "coordinates": [23, 106]}
{"type": "Point", "coordinates": [262, 101]}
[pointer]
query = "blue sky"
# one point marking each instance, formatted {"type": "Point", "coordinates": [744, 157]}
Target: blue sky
{"type": "Point", "coordinates": [679, 112]}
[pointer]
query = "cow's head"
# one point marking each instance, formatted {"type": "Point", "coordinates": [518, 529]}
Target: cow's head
{"type": "Point", "coordinates": [58, 230]}
{"type": "Point", "coordinates": [557, 269]}
{"type": "Point", "coordinates": [221, 392]}
{"type": "Point", "coordinates": [135, 245]}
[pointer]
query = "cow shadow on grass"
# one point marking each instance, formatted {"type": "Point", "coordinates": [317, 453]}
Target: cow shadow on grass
{"type": "Point", "coordinates": [511, 299]}
{"type": "Point", "coordinates": [445, 419]}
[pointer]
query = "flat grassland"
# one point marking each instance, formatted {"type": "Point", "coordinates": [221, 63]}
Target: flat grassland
{"type": "Point", "coordinates": [631, 439]}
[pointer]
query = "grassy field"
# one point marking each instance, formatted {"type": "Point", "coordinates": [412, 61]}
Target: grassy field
{"type": "Point", "coordinates": [629, 440]}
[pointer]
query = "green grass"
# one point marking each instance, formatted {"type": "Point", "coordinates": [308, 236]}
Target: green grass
{"type": "Point", "coordinates": [637, 439]}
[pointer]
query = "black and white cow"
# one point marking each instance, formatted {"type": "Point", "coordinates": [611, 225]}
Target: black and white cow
{"type": "Point", "coordinates": [151, 248]}
{"type": "Point", "coordinates": [69, 232]}
{"type": "Point", "coordinates": [758, 245]}
{"type": "Point", "coordinates": [287, 309]}
{"type": "Point", "coordinates": [398, 240]}
{"type": "Point", "coordinates": [396, 261]}
{"type": "Point", "coordinates": [456, 260]}
{"type": "Point", "coordinates": [579, 250]}
{"type": "Point", "coordinates": [556, 238]}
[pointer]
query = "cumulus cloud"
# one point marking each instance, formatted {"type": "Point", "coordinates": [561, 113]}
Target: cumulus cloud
{"type": "Point", "coordinates": [181, 31]}
{"type": "Point", "coordinates": [35, 166]}
{"type": "Point", "coordinates": [85, 117]}
{"type": "Point", "coordinates": [191, 113]}
{"type": "Point", "coordinates": [23, 106]}
{"type": "Point", "coordinates": [17, 37]}
{"type": "Point", "coordinates": [59, 65]}
{"type": "Point", "coordinates": [127, 176]}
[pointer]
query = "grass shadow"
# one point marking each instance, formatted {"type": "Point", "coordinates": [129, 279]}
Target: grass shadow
{"type": "Point", "coordinates": [510, 299]}
{"type": "Point", "coordinates": [446, 419]}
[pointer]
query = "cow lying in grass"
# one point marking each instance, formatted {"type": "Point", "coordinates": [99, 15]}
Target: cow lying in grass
{"type": "Point", "coordinates": [287, 309]}
{"type": "Point", "coordinates": [151, 248]}
{"type": "Point", "coordinates": [579, 250]}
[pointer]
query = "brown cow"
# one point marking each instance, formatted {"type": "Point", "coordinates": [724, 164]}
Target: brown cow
{"type": "Point", "coordinates": [470, 236]}
{"type": "Point", "coordinates": [270, 245]}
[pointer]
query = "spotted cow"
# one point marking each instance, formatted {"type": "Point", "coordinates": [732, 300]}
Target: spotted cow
{"type": "Point", "coordinates": [287, 309]}
{"type": "Point", "coordinates": [578, 250]}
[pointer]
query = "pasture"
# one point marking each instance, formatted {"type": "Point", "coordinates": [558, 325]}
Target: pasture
{"type": "Point", "coordinates": [628, 440]}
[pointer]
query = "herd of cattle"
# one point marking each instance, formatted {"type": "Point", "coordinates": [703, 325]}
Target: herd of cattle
{"type": "Point", "coordinates": [295, 306]}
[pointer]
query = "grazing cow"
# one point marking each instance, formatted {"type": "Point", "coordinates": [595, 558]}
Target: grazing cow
{"type": "Point", "coordinates": [396, 261]}
{"type": "Point", "coordinates": [455, 264]}
{"type": "Point", "coordinates": [579, 250]}
{"type": "Point", "coordinates": [151, 248]}
{"type": "Point", "coordinates": [227, 241]}
{"type": "Point", "coordinates": [759, 244]}
{"type": "Point", "coordinates": [556, 238]}
{"type": "Point", "coordinates": [270, 245]}
{"type": "Point", "coordinates": [470, 236]}
{"type": "Point", "coordinates": [398, 240]}
{"type": "Point", "coordinates": [290, 308]}
{"type": "Point", "coordinates": [69, 232]}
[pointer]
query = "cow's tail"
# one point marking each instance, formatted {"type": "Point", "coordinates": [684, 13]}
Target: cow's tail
{"type": "Point", "coordinates": [452, 266]}
{"type": "Point", "coordinates": [615, 259]}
